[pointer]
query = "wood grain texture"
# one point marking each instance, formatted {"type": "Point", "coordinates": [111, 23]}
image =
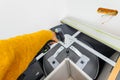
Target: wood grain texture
{"type": "Point", "coordinates": [115, 71]}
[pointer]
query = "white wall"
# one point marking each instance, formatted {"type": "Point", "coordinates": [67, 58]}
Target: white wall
{"type": "Point", "coordinates": [24, 16]}
{"type": "Point", "coordinates": [86, 10]}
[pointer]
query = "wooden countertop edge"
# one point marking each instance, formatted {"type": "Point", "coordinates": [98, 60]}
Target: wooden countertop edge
{"type": "Point", "coordinates": [115, 70]}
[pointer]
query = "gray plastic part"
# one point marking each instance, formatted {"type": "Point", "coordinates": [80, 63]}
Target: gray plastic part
{"type": "Point", "coordinates": [76, 51]}
{"type": "Point", "coordinates": [82, 62]}
{"type": "Point", "coordinates": [54, 63]}
{"type": "Point", "coordinates": [58, 51]}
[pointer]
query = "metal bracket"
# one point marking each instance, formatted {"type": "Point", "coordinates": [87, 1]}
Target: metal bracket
{"type": "Point", "coordinates": [82, 62]}
{"type": "Point", "coordinates": [53, 62]}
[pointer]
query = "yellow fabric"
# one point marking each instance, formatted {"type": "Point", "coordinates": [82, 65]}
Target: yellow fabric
{"type": "Point", "coordinates": [16, 53]}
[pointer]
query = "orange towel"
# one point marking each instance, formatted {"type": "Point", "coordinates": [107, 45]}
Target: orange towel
{"type": "Point", "coordinates": [16, 53]}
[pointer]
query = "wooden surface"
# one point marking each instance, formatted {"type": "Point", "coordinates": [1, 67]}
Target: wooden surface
{"type": "Point", "coordinates": [115, 70]}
